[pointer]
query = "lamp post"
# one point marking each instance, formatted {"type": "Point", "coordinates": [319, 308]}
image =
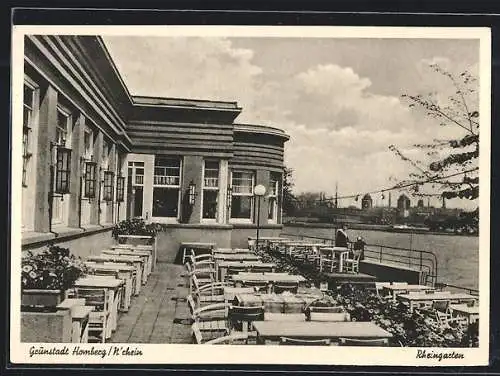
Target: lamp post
{"type": "Point", "coordinates": [258, 191]}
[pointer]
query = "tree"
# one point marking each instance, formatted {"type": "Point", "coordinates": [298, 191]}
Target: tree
{"type": "Point", "coordinates": [288, 197]}
{"type": "Point", "coordinates": [453, 168]}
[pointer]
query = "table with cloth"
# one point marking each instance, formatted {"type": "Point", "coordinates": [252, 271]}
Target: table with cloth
{"type": "Point", "coordinates": [276, 303]}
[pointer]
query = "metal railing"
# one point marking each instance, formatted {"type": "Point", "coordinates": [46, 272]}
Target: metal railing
{"type": "Point", "coordinates": [468, 290]}
{"type": "Point", "coordinates": [423, 261]}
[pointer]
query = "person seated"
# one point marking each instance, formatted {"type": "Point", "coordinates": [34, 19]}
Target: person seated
{"type": "Point", "coordinates": [359, 248]}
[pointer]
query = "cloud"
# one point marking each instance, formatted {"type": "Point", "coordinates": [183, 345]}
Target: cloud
{"type": "Point", "coordinates": [340, 127]}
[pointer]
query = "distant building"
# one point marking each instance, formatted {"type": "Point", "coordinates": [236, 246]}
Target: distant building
{"type": "Point", "coordinates": [366, 202]}
{"type": "Point", "coordinates": [403, 202]}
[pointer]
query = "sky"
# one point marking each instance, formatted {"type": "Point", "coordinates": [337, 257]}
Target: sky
{"type": "Point", "coordinates": [338, 99]}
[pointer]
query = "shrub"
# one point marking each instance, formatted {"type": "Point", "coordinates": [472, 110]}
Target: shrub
{"type": "Point", "coordinates": [136, 226]}
{"type": "Point", "coordinates": [52, 269]}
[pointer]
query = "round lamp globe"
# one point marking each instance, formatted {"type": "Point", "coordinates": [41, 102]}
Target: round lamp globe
{"type": "Point", "coordinates": [259, 190]}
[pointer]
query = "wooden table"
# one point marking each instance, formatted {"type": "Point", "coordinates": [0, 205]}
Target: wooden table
{"type": "Point", "coordinates": [221, 267]}
{"type": "Point", "coordinates": [395, 290]}
{"type": "Point", "coordinates": [340, 251]}
{"type": "Point", "coordinates": [231, 251]}
{"type": "Point", "coordinates": [414, 299]}
{"type": "Point", "coordinates": [151, 240]}
{"type": "Point", "coordinates": [269, 278]}
{"type": "Point", "coordinates": [197, 248]}
{"type": "Point", "coordinates": [113, 285]}
{"type": "Point", "coordinates": [135, 261]}
{"type": "Point", "coordinates": [236, 257]}
{"type": "Point", "coordinates": [145, 255]}
{"type": "Point", "coordinates": [125, 272]}
{"type": "Point", "coordinates": [463, 310]}
{"type": "Point", "coordinates": [231, 292]}
{"type": "Point", "coordinates": [273, 330]}
{"type": "Point", "coordinates": [298, 245]}
{"type": "Point", "coordinates": [275, 303]}
{"type": "Point", "coordinates": [141, 248]}
{"type": "Point", "coordinates": [79, 318]}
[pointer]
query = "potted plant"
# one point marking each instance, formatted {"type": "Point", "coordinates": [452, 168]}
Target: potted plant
{"type": "Point", "coordinates": [136, 226]}
{"type": "Point", "coordinates": [47, 275]}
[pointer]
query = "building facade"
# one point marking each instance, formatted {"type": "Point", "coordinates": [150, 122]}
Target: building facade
{"type": "Point", "coordinates": [94, 155]}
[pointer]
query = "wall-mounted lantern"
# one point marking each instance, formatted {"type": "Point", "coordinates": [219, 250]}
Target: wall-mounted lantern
{"type": "Point", "coordinates": [63, 170]}
{"type": "Point", "coordinates": [120, 189]}
{"type": "Point", "coordinates": [192, 193]}
{"type": "Point", "coordinates": [90, 179]}
{"type": "Point", "coordinates": [108, 185]}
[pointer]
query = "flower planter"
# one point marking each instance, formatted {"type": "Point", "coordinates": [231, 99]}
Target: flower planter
{"type": "Point", "coordinates": [41, 298]}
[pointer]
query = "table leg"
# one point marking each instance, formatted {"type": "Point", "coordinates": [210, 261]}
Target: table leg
{"type": "Point", "coordinates": [111, 317]}
{"type": "Point", "coordinates": [75, 331]}
{"type": "Point", "coordinates": [138, 280]}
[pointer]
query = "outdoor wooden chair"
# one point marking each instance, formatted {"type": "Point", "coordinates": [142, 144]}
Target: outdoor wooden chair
{"type": "Point", "coordinates": [351, 265]}
{"type": "Point", "coordinates": [441, 313]}
{"type": "Point", "coordinates": [202, 265]}
{"type": "Point", "coordinates": [287, 341]}
{"type": "Point", "coordinates": [98, 318]}
{"type": "Point", "coordinates": [241, 318]}
{"type": "Point", "coordinates": [327, 264]}
{"type": "Point", "coordinates": [232, 339]}
{"type": "Point", "coordinates": [210, 293]}
{"type": "Point", "coordinates": [196, 282]}
{"type": "Point", "coordinates": [377, 342]}
{"type": "Point", "coordinates": [211, 319]}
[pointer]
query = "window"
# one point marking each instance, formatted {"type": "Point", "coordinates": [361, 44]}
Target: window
{"type": "Point", "coordinates": [63, 128]}
{"type": "Point", "coordinates": [105, 156]}
{"type": "Point", "coordinates": [166, 187]}
{"type": "Point", "coordinates": [242, 195]}
{"type": "Point", "coordinates": [90, 179]}
{"type": "Point", "coordinates": [167, 172]}
{"type": "Point", "coordinates": [63, 152]}
{"type": "Point", "coordinates": [210, 189]}
{"type": "Point", "coordinates": [108, 185]}
{"type": "Point", "coordinates": [62, 166]}
{"type": "Point", "coordinates": [28, 100]}
{"type": "Point", "coordinates": [120, 189]}
{"type": "Point", "coordinates": [88, 144]}
{"type": "Point", "coordinates": [136, 173]}
{"type": "Point", "coordinates": [274, 189]}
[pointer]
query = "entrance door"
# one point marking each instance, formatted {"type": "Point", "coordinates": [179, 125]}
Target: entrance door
{"type": "Point", "coordinates": [135, 189]}
{"type": "Point", "coordinates": [138, 201]}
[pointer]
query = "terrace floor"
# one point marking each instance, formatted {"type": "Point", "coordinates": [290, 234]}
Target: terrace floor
{"type": "Point", "coordinates": [160, 313]}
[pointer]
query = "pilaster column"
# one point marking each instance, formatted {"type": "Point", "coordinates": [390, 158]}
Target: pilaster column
{"type": "Point", "coordinates": [97, 157]}
{"type": "Point", "coordinates": [46, 135]}
{"type": "Point", "coordinates": [77, 146]}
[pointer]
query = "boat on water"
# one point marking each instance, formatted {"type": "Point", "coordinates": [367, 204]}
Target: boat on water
{"type": "Point", "coordinates": [406, 228]}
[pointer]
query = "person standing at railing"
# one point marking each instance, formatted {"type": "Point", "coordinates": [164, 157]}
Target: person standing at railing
{"type": "Point", "coordinates": [341, 238]}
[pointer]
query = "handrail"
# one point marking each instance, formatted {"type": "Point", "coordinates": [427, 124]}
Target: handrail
{"type": "Point", "coordinates": [426, 261]}
{"type": "Point", "coordinates": [469, 290]}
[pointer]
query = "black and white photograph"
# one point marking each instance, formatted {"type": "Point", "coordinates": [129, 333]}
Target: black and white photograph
{"type": "Point", "coordinates": [247, 188]}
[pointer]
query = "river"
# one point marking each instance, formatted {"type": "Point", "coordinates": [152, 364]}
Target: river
{"type": "Point", "coordinates": [458, 256]}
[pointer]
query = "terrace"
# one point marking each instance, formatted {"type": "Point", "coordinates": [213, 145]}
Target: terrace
{"type": "Point", "coordinates": [274, 293]}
